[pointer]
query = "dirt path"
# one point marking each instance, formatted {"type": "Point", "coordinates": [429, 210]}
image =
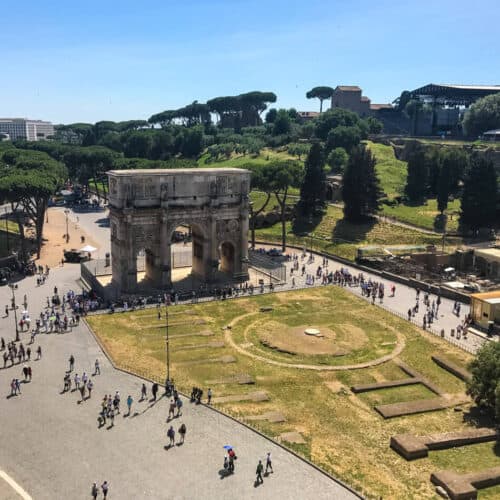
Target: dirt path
{"type": "Point", "coordinates": [54, 240]}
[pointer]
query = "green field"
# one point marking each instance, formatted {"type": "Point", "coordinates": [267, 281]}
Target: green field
{"type": "Point", "coordinates": [392, 174]}
{"type": "Point", "coordinates": [267, 154]}
{"type": "Point", "coordinates": [343, 433]}
{"type": "Point", "coordinates": [10, 235]}
{"type": "Point", "coordinates": [336, 236]}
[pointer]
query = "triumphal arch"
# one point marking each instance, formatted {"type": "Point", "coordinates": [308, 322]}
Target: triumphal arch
{"type": "Point", "coordinates": [146, 206]}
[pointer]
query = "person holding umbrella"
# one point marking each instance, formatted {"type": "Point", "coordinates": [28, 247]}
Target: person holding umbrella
{"type": "Point", "coordinates": [231, 457]}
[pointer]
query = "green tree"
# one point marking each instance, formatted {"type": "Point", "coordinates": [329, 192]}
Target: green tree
{"type": "Point", "coordinates": [334, 118]}
{"type": "Point", "coordinates": [281, 176]}
{"type": "Point", "coordinates": [443, 186]}
{"type": "Point", "coordinates": [27, 180]}
{"type": "Point", "coordinates": [320, 93]}
{"type": "Point", "coordinates": [259, 182]}
{"type": "Point", "coordinates": [343, 137]}
{"type": "Point", "coordinates": [298, 149]}
{"type": "Point", "coordinates": [374, 126]}
{"type": "Point", "coordinates": [483, 115]}
{"type": "Point", "coordinates": [417, 178]}
{"type": "Point", "coordinates": [337, 160]}
{"type": "Point", "coordinates": [312, 189]}
{"type": "Point", "coordinates": [479, 197]}
{"type": "Point", "coordinates": [271, 115]}
{"type": "Point", "coordinates": [484, 386]}
{"type": "Point", "coordinates": [361, 187]}
{"type": "Point", "coordinates": [282, 123]}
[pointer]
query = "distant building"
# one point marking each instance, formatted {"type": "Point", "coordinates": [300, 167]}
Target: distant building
{"type": "Point", "coordinates": [350, 97]}
{"type": "Point", "coordinates": [485, 310]}
{"type": "Point", "coordinates": [307, 115]}
{"type": "Point", "coordinates": [29, 130]}
{"type": "Point", "coordinates": [492, 135]}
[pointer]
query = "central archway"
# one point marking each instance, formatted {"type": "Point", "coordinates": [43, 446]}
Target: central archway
{"type": "Point", "coordinates": [226, 252]}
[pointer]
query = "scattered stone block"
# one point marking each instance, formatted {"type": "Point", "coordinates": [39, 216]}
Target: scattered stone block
{"type": "Point", "coordinates": [222, 359]}
{"type": "Point", "coordinates": [201, 346]}
{"type": "Point", "coordinates": [256, 397]}
{"type": "Point", "coordinates": [274, 417]}
{"type": "Point", "coordinates": [292, 437]}
{"type": "Point", "coordinates": [441, 492]}
{"type": "Point", "coordinates": [412, 407]}
{"type": "Point", "coordinates": [384, 385]}
{"type": "Point", "coordinates": [266, 309]}
{"type": "Point", "coordinates": [465, 486]}
{"type": "Point", "coordinates": [452, 368]}
{"type": "Point", "coordinates": [411, 447]}
{"type": "Point", "coordinates": [242, 379]}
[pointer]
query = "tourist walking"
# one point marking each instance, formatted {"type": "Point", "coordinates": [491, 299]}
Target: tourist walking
{"type": "Point", "coordinates": [71, 363]}
{"type": "Point", "coordinates": [182, 433]}
{"type": "Point", "coordinates": [39, 352]}
{"type": "Point", "coordinates": [209, 395]}
{"type": "Point", "coordinates": [105, 489]}
{"type": "Point", "coordinates": [269, 464]}
{"type": "Point", "coordinates": [129, 403]}
{"type": "Point", "coordinates": [144, 392]}
{"type": "Point", "coordinates": [94, 491]}
{"type": "Point", "coordinates": [97, 370]}
{"type": "Point", "coordinates": [259, 470]}
{"type": "Point", "coordinates": [154, 390]}
{"type": "Point", "coordinates": [171, 436]}
{"type": "Point", "coordinates": [90, 386]}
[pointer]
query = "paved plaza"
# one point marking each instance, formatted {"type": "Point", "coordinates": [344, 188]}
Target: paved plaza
{"type": "Point", "coordinates": [52, 447]}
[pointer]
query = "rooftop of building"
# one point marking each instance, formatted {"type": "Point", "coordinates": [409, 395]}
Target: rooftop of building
{"type": "Point", "coordinates": [22, 120]}
{"type": "Point", "coordinates": [348, 88]}
{"type": "Point", "coordinates": [376, 107]}
{"type": "Point", "coordinates": [365, 99]}
{"type": "Point", "coordinates": [486, 296]}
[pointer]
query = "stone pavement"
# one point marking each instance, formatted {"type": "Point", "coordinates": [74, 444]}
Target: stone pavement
{"type": "Point", "coordinates": [52, 448]}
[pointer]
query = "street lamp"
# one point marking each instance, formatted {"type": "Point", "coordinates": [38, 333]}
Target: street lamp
{"type": "Point", "coordinates": [7, 229]}
{"type": "Point", "coordinates": [13, 287]}
{"type": "Point", "coordinates": [66, 212]}
{"type": "Point", "coordinates": [167, 300]}
{"type": "Point", "coordinates": [311, 234]}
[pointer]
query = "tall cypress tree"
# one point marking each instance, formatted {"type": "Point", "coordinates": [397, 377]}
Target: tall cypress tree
{"type": "Point", "coordinates": [312, 189]}
{"type": "Point", "coordinates": [361, 186]}
{"type": "Point", "coordinates": [418, 175]}
{"type": "Point", "coordinates": [479, 197]}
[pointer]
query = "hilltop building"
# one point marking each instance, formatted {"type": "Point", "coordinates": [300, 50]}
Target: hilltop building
{"type": "Point", "coordinates": [29, 130]}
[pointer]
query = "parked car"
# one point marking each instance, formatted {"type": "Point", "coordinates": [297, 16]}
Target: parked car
{"type": "Point", "coordinates": [74, 255]}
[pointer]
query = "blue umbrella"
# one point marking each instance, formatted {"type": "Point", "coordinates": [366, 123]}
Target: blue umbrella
{"type": "Point", "coordinates": [227, 447]}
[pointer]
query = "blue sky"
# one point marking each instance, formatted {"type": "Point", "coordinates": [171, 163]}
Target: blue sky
{"type": "Point", "coordinates": [95, 60]}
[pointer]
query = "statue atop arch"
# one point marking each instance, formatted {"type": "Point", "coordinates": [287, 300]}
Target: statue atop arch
{"type": "Point", "coordinates": [146, 206]}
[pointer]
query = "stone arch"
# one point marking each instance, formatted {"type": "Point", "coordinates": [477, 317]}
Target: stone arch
{"type": "Point", "coordinates": [227, 253]}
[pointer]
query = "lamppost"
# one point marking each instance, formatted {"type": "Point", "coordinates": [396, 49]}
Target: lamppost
{"type": "Point", "coordinates": [13, 287]}
{"type": "Point", "coordinates": [311, 235]}
{"type": "Point", "coordinates": [167, 300]}
{"type": "Point", "coordinates": [7, 229]}
{"type": "Point", "coordinates": [66, 212]}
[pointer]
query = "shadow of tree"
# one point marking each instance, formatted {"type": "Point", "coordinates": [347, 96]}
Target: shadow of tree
{"type": "Point", "coordinates": [302, 226]}
{"type": "Point", "coordinates": [352, 232]}
{"type": "Point", "coordinates": [479, 417]}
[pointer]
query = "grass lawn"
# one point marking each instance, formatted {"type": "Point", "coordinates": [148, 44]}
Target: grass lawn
{"type": "Point", "coordinates": [336, 236]}
{"type": "Point", "coordinates": [391, 171]}
{"type": "Point", "coordinates": [13, 237]}
{"type": "Point", "coordinates": [343, 433]}
{"type": "Point", "coordinates": [424, 215]}
{"type": "Point", "coordinates": [392, 174]}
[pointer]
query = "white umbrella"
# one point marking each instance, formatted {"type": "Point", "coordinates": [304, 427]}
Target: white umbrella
{"type": "Point", "coordinates": [88, 248]}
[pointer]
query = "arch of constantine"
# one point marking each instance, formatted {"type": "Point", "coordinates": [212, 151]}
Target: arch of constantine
{"type": "Point", "coordinates": [146, 206]}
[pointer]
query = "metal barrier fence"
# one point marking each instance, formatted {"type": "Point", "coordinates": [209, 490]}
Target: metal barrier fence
{"type": "Point", "coordinates": [267, 265]}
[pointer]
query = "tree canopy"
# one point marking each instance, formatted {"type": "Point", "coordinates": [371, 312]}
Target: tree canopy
{"type": "Point", "coordinates": [361, 187]}
{"type": "Point", "coordinates": [312, 189]}
{"type": "Point", "coordinates": [321, 93]}
{"type": "Point", "coordinates": [482, 116]}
